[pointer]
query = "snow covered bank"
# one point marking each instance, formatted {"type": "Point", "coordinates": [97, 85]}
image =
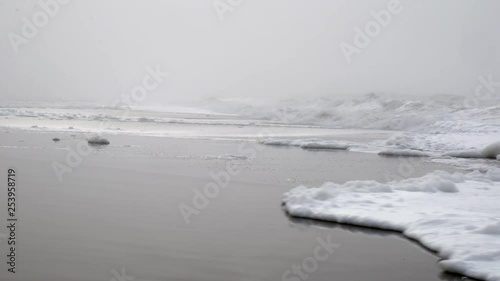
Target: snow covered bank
{"type": "Point", "coordinates": [457, 215]}
{"type": "Point", "coordinates": [225, 157]}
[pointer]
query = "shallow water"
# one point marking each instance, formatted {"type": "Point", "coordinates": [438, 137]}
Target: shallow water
{"type": "Point", "coordinates": [119, 210]}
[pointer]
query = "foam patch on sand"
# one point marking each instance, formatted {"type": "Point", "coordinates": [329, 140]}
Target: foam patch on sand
{"type": "Point", "coordinates": [456, 215]}
{"type": "Point", "coordinates": [225, 157]}
{"type": "Point", "coordinates": [403, 153]}
{"type": "Point", "coordinates": [310, 143]}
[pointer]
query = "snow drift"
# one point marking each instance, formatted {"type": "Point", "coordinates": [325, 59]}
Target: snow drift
{"type": "Point", "coordinates": [457, 215]}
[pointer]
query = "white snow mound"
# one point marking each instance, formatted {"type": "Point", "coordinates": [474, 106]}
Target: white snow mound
{"type": "Point", "coordinates": [456, 215]}
{"type": "Point", "coordinates": [226, 157]}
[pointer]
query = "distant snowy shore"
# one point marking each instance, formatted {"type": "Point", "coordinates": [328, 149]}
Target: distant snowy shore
{"type": "Point", "coordinates": [443, 126]}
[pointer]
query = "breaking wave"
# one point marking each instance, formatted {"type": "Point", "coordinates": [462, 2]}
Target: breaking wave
{"type": "Point", "coordinates": [372, 111]}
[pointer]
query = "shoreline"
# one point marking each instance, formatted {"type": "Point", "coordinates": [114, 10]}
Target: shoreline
{"type": "Point", "coordinates": [136, 184]}
{"type": "Point", "coordinates": [387, 232]}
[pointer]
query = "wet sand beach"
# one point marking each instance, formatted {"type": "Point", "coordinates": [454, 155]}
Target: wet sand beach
{"type": "Point", "coordinates": [116, 214]}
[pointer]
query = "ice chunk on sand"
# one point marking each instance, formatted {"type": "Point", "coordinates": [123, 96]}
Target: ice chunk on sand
{"type": "Point", "coordinates": [456, 215]}
{"type": "Point", "coordinates": [403, 152]}
{"type": "Point", "coordinates": [98, 140]}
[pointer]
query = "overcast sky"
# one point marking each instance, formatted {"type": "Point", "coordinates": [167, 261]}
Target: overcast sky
{"type": "Point", "coordinates": [93, 50]}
